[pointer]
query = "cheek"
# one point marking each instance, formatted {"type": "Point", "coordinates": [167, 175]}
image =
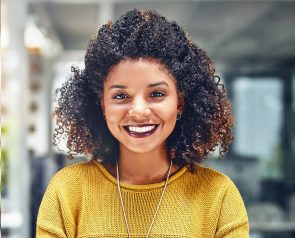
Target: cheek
{"type": "Point", "coordinates": [168, 111]}
{"type": "Point", "coordinates": [114, 113]}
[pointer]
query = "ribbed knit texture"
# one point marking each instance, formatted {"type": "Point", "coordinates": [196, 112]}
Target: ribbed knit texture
{"type": "Point", "coordinates": [82, 201]}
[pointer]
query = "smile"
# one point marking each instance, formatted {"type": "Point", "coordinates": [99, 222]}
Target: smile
{"type": "Point", "coordinates": [139, 131]}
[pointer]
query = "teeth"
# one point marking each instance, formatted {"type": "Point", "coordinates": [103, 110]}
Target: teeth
{"type": "Point", "coordinates": [141, 129]}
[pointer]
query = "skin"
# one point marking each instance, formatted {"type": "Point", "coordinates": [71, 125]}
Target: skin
{"type": "Point", "coordinates": [137, 92]}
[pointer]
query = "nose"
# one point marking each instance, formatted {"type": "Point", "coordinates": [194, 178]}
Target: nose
{"type": "Point", "coordinates": [139, 110]}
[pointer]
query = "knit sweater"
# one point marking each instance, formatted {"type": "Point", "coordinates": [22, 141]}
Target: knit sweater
{"type": "Point", "coordinates": [82, 201]}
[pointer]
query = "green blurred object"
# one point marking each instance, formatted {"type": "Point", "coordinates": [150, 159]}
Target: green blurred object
{"type": "Point", "coordinates": [4, 161]}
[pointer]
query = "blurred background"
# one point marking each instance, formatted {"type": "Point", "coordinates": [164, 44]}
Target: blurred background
{"type": "Point", "coordinates": [252, 44]}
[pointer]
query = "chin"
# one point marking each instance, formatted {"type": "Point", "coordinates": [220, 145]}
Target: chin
{"type": "Point", "coordinates": [142, 149]}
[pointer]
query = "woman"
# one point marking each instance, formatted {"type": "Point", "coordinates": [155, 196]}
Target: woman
{"type": "Point", "coordinates": [147, 109]}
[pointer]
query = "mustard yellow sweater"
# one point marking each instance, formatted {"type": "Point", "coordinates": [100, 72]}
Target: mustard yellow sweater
{"type": "Point", "coordinates": [82, 201]}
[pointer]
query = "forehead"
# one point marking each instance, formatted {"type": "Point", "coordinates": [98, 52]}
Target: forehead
{"type": "Point", "coordinates": [141, 70]}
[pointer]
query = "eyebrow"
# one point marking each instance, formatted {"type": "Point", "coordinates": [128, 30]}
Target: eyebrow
{"type": "Point", "coordinates": [149, 86]}
{"type": "Point", "coordinates": [117, 86]}
{"type": "Point", "coordinates": [158, 83]}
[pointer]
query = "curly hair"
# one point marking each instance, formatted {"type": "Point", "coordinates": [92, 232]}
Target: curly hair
{"type": "Point", "coordinates": [206, 121]}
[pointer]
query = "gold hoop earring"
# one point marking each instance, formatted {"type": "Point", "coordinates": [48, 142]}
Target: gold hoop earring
{"type": "Point", "coordinates": [178, 116]}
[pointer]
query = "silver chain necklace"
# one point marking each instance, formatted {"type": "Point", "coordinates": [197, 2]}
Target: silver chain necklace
{"type": "Point", "coordinates": [157, 209]}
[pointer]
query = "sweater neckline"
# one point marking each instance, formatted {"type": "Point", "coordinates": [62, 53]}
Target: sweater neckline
{"type": "Point", "coordinates": [139, 186]}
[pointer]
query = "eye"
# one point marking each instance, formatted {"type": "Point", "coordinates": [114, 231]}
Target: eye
{"type": "Point", "coordinates": [157, 94]}
{"type": "Point", "coordinates": [120, 96]}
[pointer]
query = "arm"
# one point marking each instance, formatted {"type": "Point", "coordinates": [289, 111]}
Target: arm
{"type": "Point", "coordinates": [233, 220]}
{"type": "Point", "coordinates": [50, 222]}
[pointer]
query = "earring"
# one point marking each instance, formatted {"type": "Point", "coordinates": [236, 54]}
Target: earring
{"type": "Point", "coordinates": [178, 116]}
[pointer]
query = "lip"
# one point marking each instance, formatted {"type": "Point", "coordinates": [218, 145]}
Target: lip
{"type": "Point", "coordinates": [141, 135]}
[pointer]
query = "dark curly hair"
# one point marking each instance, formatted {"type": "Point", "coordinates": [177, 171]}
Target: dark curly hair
{"type": "Point", "coordinates": [207, 117]}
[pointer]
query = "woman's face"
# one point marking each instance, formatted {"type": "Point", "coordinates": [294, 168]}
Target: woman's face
{"type": "Point", "coordinates": [140, 103]}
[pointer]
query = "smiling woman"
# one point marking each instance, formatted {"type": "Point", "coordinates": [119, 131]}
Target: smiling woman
{"type": "Point", "coordinates": [147, 109]}
{"type": "Point", "coordinates": [140, 104]}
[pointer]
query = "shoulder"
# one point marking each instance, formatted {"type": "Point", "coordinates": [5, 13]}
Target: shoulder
{"type": "Point", "coordinates": [215, 188]}
{"type": "Point", "coordinates": [211, 181]}
{"type": "Point", "coordinates": [209, 175]}
{"type": "Point", "coordinates": [74, 174]}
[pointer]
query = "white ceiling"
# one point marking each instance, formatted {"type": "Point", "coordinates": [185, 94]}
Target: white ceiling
{"type": "Point", "coordinates": [241, 36]}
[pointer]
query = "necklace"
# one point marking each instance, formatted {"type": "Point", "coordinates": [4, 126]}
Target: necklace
{"type": "Point", "coordinates": [157, 209]}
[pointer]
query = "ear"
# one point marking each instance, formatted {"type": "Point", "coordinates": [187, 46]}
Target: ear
{"type": "Point", "coordinates": [180, 102]}
{"type": "Point", "coordinates": [102, 105]}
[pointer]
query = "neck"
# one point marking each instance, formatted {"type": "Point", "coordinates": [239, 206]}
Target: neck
{"type": "Point", "coordinates": [143, 168]}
